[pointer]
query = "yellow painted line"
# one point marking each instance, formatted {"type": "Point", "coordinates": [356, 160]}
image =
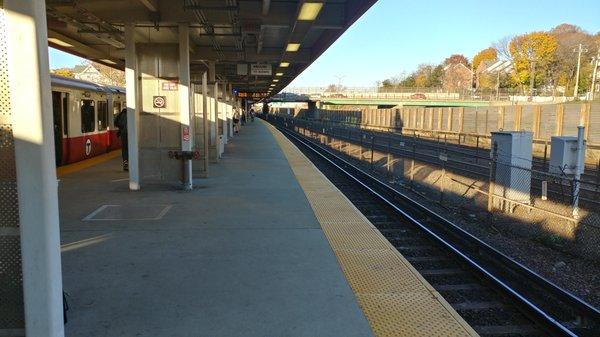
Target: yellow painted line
{"type": "Point", "coordinates": [80, 165]}
{"type": "Point", "coordinates": [395, 298]}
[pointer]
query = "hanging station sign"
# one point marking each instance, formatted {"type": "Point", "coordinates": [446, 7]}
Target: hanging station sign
{"type": "Point", "coordinates": [243, 94]}
{"type": "Point", "coordinates": [261, 69]}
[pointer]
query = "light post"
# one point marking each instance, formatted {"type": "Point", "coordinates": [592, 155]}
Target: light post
{"type": "Point", "coordinates": [578, 50]}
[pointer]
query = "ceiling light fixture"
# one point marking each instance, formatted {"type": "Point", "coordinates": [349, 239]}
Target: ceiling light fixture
{"type": "Point", "coordinates": [108, 61]}
{"type": "Point", "coordinates": [60, 42]}
{"type": "Point", "coordinates": [284, 64]}
{"type": "Point", "coordinates": [292, 47]}
{"type": "Point", "coordinates": [309, 11]}
{"type": "Point", "coordinates": [279, 74]}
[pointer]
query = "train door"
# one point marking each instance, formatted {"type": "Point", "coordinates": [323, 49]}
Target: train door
{"type": "Point", "coordinates": [57, 112]}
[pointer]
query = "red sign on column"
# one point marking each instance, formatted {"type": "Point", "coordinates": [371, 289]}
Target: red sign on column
{"type": "Point", "coordinates": [186, 133]}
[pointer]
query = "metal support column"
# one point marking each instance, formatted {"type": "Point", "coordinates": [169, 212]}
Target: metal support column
{"type": "Point", "coordinates": [30, 109]}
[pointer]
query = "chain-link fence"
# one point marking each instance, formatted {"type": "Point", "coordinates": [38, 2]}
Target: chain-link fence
{"type": "Point", "coordinates": [475, 183]}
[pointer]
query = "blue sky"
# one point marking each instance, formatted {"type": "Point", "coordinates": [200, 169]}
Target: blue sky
{"type": "Point", "coordinates": [398, 35]}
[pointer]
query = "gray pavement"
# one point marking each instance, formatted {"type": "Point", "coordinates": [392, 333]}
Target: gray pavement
{"type": "Point", "coordinates": [241, 255]}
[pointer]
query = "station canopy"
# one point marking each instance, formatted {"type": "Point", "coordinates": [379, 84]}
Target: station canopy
{"type": "Point", "coordinates": [257, 45]}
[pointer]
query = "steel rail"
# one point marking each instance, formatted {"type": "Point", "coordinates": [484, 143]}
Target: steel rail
{"type": "Point", "coordinates": [583, 309]}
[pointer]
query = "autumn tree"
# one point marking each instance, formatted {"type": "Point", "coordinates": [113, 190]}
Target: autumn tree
{"type": "Point", "coordinates": [481, 61]}
{"type": "Point", "coordinates": [538, 47]}
{"type": "Point", "coordinates": [485, 57]}
{"type": "Point", "coordinates": [456, 59]}
{"type": "Point", "coordinates": [562, 70]}
{"type": "Point", "coordinates": [64, 72]}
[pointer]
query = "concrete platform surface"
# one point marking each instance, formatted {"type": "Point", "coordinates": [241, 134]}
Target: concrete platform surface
{"type": "Point", "coordinates": [241, 255]}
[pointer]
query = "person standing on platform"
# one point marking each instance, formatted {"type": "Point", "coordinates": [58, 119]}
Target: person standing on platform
{"type": "Point", "coordinates": [243, 117]}
{"type": "Point", "coordinates": [236, 121]}
{"type": "Point", "coordinates": [120, 121]}
{"type": "Point", "coordinates": [251, 114]}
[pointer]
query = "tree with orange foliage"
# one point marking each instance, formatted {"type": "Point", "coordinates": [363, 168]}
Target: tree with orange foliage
{"type": "Point", "coordinates": [486, 56]}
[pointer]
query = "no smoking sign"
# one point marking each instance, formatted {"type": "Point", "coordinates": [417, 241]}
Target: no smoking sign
{"type": "Point", "coordinates": [159, 102]}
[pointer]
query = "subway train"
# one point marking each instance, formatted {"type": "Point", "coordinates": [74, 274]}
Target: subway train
{"type": "Point", "coordinates": [83, 118]}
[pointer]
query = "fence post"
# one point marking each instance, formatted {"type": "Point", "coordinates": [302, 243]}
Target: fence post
{"type": "Point", "coordinates": [537, 118]}
{"type": "Point", "coordinates": [477, 151]}
{"type": "Point", "coordinates": [361, 146]}
{"type": "Point", "coordinates": [578, 169]}
{"type": "Point", "coordinates": [372, 145]}
{"type": "Point", "coordinates": [584, 118]}
{"type": "Point", "coordinates": [443, 158]}
{"type": "Point", "coordinates": [431, 110]}
{"type": "Point", "coordinates": [560, 114]}
{"type": "Point", "coordinates": [461, 120]}
{"type": "Point", "coordinates": [389, 157]}
{"type": "Point", "coordinates": [501, 111]}
{"type": "Point", "coordinates": [492, 178]}
{"type": "Point", "coordinates": [545, 152]}
{"type": "Point", "coordinates": [414, 154]}
{"type": "Point", "coordinates": [518, 113]}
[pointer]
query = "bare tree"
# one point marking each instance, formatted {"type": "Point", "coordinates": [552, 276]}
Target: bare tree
{"type": "Point", "coordinates": [502, 47]}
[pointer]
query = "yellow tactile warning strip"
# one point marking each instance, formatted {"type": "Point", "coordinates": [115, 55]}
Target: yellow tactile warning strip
{"type": "Point", "coordinates": [394, 297]}
{"type": "Point", "coordinates": [80, 165]}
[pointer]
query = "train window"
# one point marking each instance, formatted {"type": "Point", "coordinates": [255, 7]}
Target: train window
{"type": "Point", "coordinates": [102, 115]}
{"type": "Point", "coordinates": [116, 108]}
{"type": "Point", "coordinates": [65, 112]}
{"type": "Point", "coordinates": [87, 115]}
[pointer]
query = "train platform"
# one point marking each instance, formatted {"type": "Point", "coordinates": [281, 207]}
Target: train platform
{"type": "Point", "coordinates": [266, 246]}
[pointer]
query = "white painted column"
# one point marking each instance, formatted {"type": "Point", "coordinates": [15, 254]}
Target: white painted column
{"type": "Point", "coordinates": [217, 142]}
{"type": "Point", "coordinates": [212, 79]}
{"type": "Point", "coordinates": [31, 110]}
{"type": "Point", "coordinates": [187, 132]}
{"type": "Point", "coordinates": [224, 114]}
{"type": "Point", "coordinates": [205, 114]}
{"type": "Point", "coordinates": [133, 116]}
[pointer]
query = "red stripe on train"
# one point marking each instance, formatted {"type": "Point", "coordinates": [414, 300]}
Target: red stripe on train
{"type": "Point", "coordinates": [87, 146]}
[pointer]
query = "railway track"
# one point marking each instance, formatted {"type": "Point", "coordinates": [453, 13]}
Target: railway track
{"type": "Point", "coordinates": [473, 164]}
{"type": "Point", "coordinates": [495, 294]}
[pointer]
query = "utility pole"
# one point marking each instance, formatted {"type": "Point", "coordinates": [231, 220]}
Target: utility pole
{"type": "Point", "coordinates": [339, 77]}
{"type": "Point", "coordinates": [594, 72]}
{"type": "Point", "coordinates": [578, 50]}
{"type": "Point", "coordinates": [498, 86]}
{"type": "Point", "coordinates": [531, 58]}
{"type": "Point", "coordinates": [532, 78]}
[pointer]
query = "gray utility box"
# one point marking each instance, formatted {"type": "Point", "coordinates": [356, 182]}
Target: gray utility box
{"type": "Point", "coordinates": [513, 168]}
{"type": "Point", "coordinates": [563, 155]}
